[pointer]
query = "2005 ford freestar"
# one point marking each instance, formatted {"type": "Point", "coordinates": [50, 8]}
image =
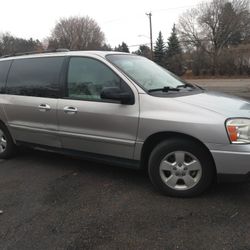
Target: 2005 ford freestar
{"type": "Point", "coordinates": [125, 110]}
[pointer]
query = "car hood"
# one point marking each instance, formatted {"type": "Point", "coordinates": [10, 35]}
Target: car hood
{"type": "Point", "coordinates": [230, 106]}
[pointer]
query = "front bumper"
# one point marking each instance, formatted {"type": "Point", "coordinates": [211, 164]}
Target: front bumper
{"type": "Point", "coordinates": [232, 161]}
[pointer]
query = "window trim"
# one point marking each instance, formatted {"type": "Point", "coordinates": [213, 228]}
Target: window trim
{"type": "Point", "coordinates": [65, 85]}
{"type": "Point", "coordinates": [59, 78]}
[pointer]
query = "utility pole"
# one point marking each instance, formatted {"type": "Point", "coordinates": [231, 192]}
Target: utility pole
{"type": "Point", "coordinates": [151, 37]}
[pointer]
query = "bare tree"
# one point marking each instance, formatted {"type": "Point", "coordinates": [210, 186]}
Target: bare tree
{"type": "Point", "coordinates": [10, 44]}
{"type": "Point", "coordinates": [215, 25]}
{"type": "Point", "coordinates": [77, 33]}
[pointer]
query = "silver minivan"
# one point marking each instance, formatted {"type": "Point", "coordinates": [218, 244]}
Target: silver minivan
{"type": "Point", "coordinates": [125, 110]}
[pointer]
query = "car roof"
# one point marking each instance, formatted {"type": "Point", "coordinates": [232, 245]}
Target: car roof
{"type": "Point", "coordinates": [64, 53]}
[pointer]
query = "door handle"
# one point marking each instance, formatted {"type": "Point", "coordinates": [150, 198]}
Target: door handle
{"type": "Point", "coordinates": [70, 110]}
{"type": "Point", "coordinates": [44, 107]}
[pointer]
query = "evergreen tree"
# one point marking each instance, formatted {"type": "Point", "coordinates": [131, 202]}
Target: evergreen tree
{"type": "Point", "coordinates": [226, 23]}
{"type": "Point", "coordinates": [106, 47]}
{"type": "Point", "coordinates": [173, 59]}
{"type": "Point", "coordinates": [122, 47]}
{"type": "Point", "coordinates": [143, 50]}
{"type": "Point", "coordinates": [174, 47]}
{"type": "Point", "coordinates": [159, 50]}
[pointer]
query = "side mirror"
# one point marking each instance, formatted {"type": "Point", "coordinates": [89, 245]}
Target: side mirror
{"type": "Point", "coordinates": [116, 94]}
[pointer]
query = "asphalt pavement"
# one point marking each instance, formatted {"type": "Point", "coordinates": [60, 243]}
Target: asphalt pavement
{"type": "Point", "coordinates": [50, 201]}
{"type": "Point", "coordinates": [239, 87]}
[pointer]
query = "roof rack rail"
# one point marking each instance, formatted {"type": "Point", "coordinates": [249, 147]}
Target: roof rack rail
{"type": "Point", "coordinates": [35, 52]}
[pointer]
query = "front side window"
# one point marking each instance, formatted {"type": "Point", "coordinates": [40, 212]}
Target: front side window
{"type": "Point", "coordinates": [4, 68]}
{"type": "Point", "coordinates": [35, 77]}
{"type": "Point", "coordinates": [87, 77]}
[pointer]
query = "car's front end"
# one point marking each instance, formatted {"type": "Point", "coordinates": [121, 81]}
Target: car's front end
{"type": "Point", "coordinates": [183, 119]}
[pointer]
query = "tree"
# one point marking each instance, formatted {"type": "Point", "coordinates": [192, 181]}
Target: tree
{"type": "Point", "coordinates": [174, 47]}
{"type": "Point", "coordinates": [225, 26]}
{"type": "Point", "coordinates": [77, 33]}
{"type": "Point", "coordinates": [106, 47]}
{"type": "Point", "coordinates": [159, 50]}
{"type": "Point", "coordinates": [122, 47]}
{"type": "Point", "coordinates": [173, 60]}
{"type": "Point", "coordinates": [10, 44]}
{"type": "Point", "coordinates": [52, 44]}
{"type": "Point", "coordinates": [215, 25]}
{"type": "Point", "coordinates": [144, 50]}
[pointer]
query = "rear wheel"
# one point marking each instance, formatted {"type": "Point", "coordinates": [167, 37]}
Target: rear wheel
{"type": "Point", "coordinates": [179, 167]}
{"type": "Point", "coordinates": [7, 145]}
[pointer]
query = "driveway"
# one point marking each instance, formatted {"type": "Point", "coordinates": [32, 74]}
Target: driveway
{"type": "Point", "coordinates": [50, 201]}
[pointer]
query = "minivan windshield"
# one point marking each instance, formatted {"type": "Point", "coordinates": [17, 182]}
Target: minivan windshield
{"type": "Point", "coordinates": [150, 76]}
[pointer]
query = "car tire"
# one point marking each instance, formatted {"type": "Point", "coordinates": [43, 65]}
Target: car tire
{"type": "Point", "coordinates": [181, 168]}
{"type": "Point", "coordinates": [7, 146]}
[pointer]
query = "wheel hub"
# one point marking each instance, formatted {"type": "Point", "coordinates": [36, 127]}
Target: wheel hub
{"type": "Point", "coordinates": [180, 170]}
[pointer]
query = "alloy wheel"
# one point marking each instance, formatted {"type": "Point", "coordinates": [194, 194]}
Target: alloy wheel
{"type": "Point", "coordinates": [3, 141]}
{"type": "Point", "coordinates": [180, 170]}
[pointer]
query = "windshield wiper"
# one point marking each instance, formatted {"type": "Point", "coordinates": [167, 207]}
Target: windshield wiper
{"type": "Point", "coordinates": [185, 85]}
{"type": "Point", "coordinates": [190, 85]}
{"type": "Point", "coordinates": [164, 89]}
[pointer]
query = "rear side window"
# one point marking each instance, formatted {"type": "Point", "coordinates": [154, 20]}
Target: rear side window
{"type": "Point", "coordinates": [4, 68]}
{"type": "Point", "coordinates": [35, 77]}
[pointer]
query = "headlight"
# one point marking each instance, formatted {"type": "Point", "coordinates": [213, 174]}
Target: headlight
{"type": "Point", "coordinates": [238, 130]}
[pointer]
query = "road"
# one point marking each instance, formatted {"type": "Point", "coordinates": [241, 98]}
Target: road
{"type": "Point", "coordinates": [240, 87]}
{"type": "Point", "coordinates": [51, 201]}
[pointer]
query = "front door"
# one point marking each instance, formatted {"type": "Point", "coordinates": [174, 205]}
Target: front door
{"type": "Point", "coordinates": [88, 123]}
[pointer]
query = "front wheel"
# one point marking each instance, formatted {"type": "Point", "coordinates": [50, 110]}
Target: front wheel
{"type": "Point", "coordinates": [182, 168]}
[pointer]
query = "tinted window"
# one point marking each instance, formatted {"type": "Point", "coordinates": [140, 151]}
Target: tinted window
{"type": "Point", "coordinates": [35, 77]}
{"type": "Point", "coordinates": [87, 77]}
{"type": "Point", "coordinates": [4, 68]}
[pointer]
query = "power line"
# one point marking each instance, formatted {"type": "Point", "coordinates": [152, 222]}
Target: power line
{"type": "Point", "coordinates": [137, 45]}
{"type": "Point", "coordinates": [182, 41]}
{"type": "Point", "coordinates": [135, 14]}
{"type": "Point", "coordinates": [175, 8]}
